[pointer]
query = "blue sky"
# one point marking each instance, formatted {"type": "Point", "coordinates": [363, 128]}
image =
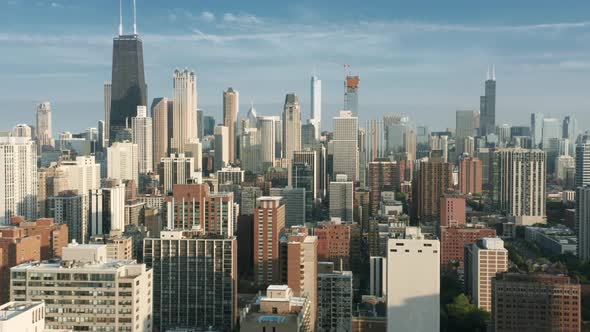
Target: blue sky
{"type": "Point", "coordinates": [423, 58]}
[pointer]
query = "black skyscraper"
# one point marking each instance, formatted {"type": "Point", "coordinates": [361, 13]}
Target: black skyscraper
{"type": "Point", "coordinates": [128, 82]}
{"type": "Point", "coordinates": [488, 106]}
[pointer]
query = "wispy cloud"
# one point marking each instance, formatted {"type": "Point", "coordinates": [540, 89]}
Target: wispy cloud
{"type": "Point", "coordinates": [242, 19]}
{"type": "Point", "coordinates": [207, 16]}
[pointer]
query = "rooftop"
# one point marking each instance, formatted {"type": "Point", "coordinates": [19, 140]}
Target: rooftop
{"type": "Point", "coordinates": [11, 309]}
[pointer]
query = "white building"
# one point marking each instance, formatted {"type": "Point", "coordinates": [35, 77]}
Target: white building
{"type": "Point", "coordinates": [316, 106]}
{"type": "Point", "coordinates": [82, 174]}
{"type": "Point", "coordinates": [583, 162]}
{"type": "Point", "coordinates": [44, 130]}
{"type": "Point", "coordinates": [18, 178]}
{"type": "Point", "coordinates": [142, 136]}
{"type": "Point", "coordinates": [22, 316]}
{"type": "Point", "coordinates": [85, 291]}
{"type": "Point", "coordinates": [176, 169]}
{"type": "Point", "coordinates": [267, 126]}
{"type": "Point", "coordinates": [291, 126]}
{"type": "Point", "coordinates": [342, 198]}
{"type": "Point", "coordinates": [221, 147]}
{"type": "Point", "coordinates": [184, 109]}
{"type": "Point", "coordinates": [413, 283]}
{"type": "Point", "coordinates": [22, 130]}
{"type": "Point", "coordinates": [346, 155]}
{"type": "Point", "coordinates": [123, 161]}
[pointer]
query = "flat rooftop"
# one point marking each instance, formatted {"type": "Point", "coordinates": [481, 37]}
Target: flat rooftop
{"type": "Point", "coordinates": [13, 309]}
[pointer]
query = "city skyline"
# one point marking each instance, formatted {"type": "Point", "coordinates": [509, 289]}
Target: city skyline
{"type": "Point", "coordinates": [418, 56]}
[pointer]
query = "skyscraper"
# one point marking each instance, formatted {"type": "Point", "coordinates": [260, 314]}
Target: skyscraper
{"type": "Point", "coordinates": [470, 175]}
{"type": "Point", "coordinates": [107, 90]}
{"type": "Point", "coordinates": [44, 134]}
{"type": "Point", "coordinates": [184, 109]}
{"type": "Point", "coordinates": [221, 147]}
{"type": "Point", "coordinates": [123, 161]}
{"type": "Point", "coordinates": [583, 162]}
{"type": "Point", "coordinates": [231, 105]}
{"type": "Point", "coordinates": [316, 105]}
{"type": "Point", "coordinates": [466, 123]}
{"type": "Point", "coordinates": [346, 156]}
{"type": "Point", "coordinates": [160, 130]}
{"type": "Point", "coordinates": [128, 88]}
{"type": "Point", "coordinates": [537, 129]}
{"type": "Point", "coordinates": [142, 136]}
{"type": "Point", "coordinates": [18, 178]}
{"type": "Point", "coordinates": [176, 169]}
{"type": "Point", "coordinates": [291, 126]}
{"type": "Point", "coordinates": [267, 126]}
{"type": "Point", "coordinates": [269, 221]}
{"type": "Point", "coordinates": [342, 198]}
{"type": "Point", "coordinates": [351, 96]}
{"type": "Point", "coordinates": [433, 180]}
{"type": "Point", "coordinates": [488, 106]}
{"type": "Point", "coordinates": [583, 222]}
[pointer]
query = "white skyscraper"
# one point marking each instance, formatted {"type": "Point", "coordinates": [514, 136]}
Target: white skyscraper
{"type": "Point", "coordinates": [18, 178]}
{"type": "Point", "coordinates": [267, 126]}
{"type": "Point", "coordinates": [44, 135]}
{"type": "Point", "coordinates": [221, 147]}
{"type": "Point", "coordinates": [142, 136]}
{"type": "Point", "coordinates": [184, 109]}
{"type": "Point", "coordinates": [552, 130]}
{"type": "Point", "coordinates": [346, 156]}
{"type": "Point", "coordinates": [122, 161]}
{"type": "Point", "coordinates": [583, 162]}
{"type": "Point", "coordinates": [22, 130]}
{"type": "Point", "coordinates": [316, 105]}
{"type": "Point", "coordinates": [291, 126]}
{"type": "Point", "coordinates": [413, 283]}
{"type": "Point", "coordinates": [176, 169]}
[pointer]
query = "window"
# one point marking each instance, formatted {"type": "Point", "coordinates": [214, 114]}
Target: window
{"type": "Point", "coordinates": [275, 310]}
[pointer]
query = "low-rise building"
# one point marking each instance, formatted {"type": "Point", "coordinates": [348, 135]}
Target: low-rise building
{"type": "Point", "coordinates": [555, 240]}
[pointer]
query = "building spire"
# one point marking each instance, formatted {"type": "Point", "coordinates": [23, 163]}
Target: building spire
{"type": "Point", "coordinates": [488, 75]}
{"type": "Point", "coordinates": [134, 19]}
{"type": "Point", "coordinates": [493, 72]}
{"type": "Point", "coordinates": [120, 18]}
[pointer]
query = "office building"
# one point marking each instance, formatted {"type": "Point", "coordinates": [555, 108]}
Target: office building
{"type": "Point", "coordinates": [291, 126]}
{"type": "Point", "coordinates": [519, 184]}
{"type": "Point", "coordinates": [231, 106]}
{"type": "Point", "coordinates": [44, 128]}
{"type": "Point", "coordinates": [351, 96]}
{"type": "Point", "coordinates": [176, 169]}
{"type": "Point", "coordinates": [248, 199]}
{"type": "Point", "coordinates": [434, 179]}
{"type": "Point", "coordinates": [470, 175]}
{"type": "Point", "coordinates": [184, 109]}
{"type": "Point", "coordinates": [203, 293]}
{"type": "Point", "coordinates": [233, 175]}
{"type": "Point", "coordinates": [22, 130]}
{"type": "Point", "coordinates": [69, 208]}
{"type": "Point", "coordinates": [251, 150]}
{"type": "Point", "coordinates": [537, 120]}
{"type": "Point", "coordinates": [222, 157]}
{"type": "Point", "coordinates": [17, 247]}
{"type": "Point", "coordinates": [107, 209]}
{"type": "Point", "coordinates": [453, 241]}
{"type": "Point", "coordinates": [413, 284]}
{"type": "Point", "coordinates": [535, 302]}
{"type": "Point", "coordinates": [583, 162]}
{"type": "Point", "coordinates": [142, 136]}
{"type": "Point", "coordinates": [334, 300]}
{"type": "Point", "coordinates": [107, 90]}
{"type": "Point", "coordinates": [378, 276]}
{"type": "Point", "coordinates": [294, 200]}
{"type": "Point", "coordinates": [128, 88]}
{"type": "Point", "coordinates": [452, 210]}
{"type": "Point", "coordinates": [582, 222]}
{"type": "Point", "coordinates": [18, 178]}
{"type": "Point", "coordinates": [161, 135]}
{"type": "Point", "coordinates": [269, 222]}
{"type": "Point", "coordinates": [74, 303]}
{"type": "Point", "coordinates": [345, 140]}
{"type": "Point", "coordinates": [551, 130]}
{"type": "Point", "coordinates": [267, 126]}
{"type": "Point", "coordinates": [123, 161]}
{"type": "Point", "coordinates": [339, 243]}
{"type": "Point", "coordinates": [483, 260]}
{"type": "Point", "coordinates": [52, 236]}
{"type": "Point", "coordinates": [466, 124]}
{"type": "Point", "coordinates": [488, 106]}
{"type": "Point", "coordinates": [503, 133]}
{"type": "Point", "coordinates": [342, 198]}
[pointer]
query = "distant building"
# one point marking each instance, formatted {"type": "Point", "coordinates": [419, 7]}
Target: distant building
{"type": "Point", "coordinates": [454, 239]}
{"type": "Point", "coordinates": [291, 126]}
{"type": "Point", "coordinates": [452, 210]}
{"type": "Point", "coordinates": [351, 96]}
{"type": "Point", "coordinates": [222, 158]}
{"type": "Point", "coordinates": [231, 105]}
{"type": "Point", "coordinates": [342, 198]}
{"type": "Point", "coordinates": [269, 222]}
{"type": "Point", "coordinates": [176, 169]}
{"type": "Point", "coordinates": [345, 140]}
{"type": "Point", "coordinates": [334, 301]}
{"type": "Point", "coordinates": [470, 175]}
{"type": "Point", "coordinates": [184, 110]}
{"type": "Point", "coordinates": [123, 161]}
{"type": "Point", "coordinates": [142, 128]}
{"type": "Point", "coordinates": [295, 201]}
{"type": "Point", "coordinates": [434, 179]}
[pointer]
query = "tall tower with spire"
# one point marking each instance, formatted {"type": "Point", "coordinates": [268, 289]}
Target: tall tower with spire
{"type": "Point", "coordinates": [128, 89]}
{"type": "Point", "coordinates": [488, 105]}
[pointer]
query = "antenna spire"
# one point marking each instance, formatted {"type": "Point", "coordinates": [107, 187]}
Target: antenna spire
{"type": "Point", "coordinates": [120, 18]}
{"type": "Point", "coordinates": [493, 72]}
{"type": "Point", "coordinates": [134, 19]}
{"type": "Point", "coordinates": [488, 75]}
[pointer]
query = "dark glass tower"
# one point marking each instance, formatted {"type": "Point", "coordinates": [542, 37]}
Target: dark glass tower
{"type": "Point", "coordinates": [488, 106]}
{"type": "Point", "coordinates": [128, 83]}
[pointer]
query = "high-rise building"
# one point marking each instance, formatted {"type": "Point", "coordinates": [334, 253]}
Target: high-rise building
{"type": "Point", "coordinates": [53, 236]}
{"type": "Point", "coordinates": [571, 132]}
{"type": "Point", "coordinates": [346, 155]}
{"type": "Point", "coordinates": [69, 208]}
{"type": "Point", "coordinates": [413, 283]}
{"type": "Point", "coordinates": [342, 198]}
{"type": "Point", "coordinates": [231, 106]}
{"type": "Point", "coordinates": [519, 184]}
{"type": "Point", "coordinates": [267, 126]}
{"type": "Point", "coordinates": [44, 129]}
{"type": "Point", "coordinates": [128, 89]}
{"type": "Point", "coordinates": [74, 290]}
{"type": "Point", "coordinates": [123, 161]}
{"type": "Point", "coordinates": [142, 136]}
{"type": "Point", "coordinates": [176, 169]}
{"type": "Point", "coordinates": [384, 175]}
{"type": "Point", "coordinates": [161, 134]}
{"type": "Point", "coordinates": [22, 130]}
{"type": "Point", "coordinates": [18, 178]}
{"type": "Point", "coordinates": [453, 241]}
{"type": "Point", "coordinates": [583, 162]}
{"type": "Point", "coordinates": [208, 125]}
{"type": "Point", "coordinates": [470, 175]}
{"type": "Point", "coordinates": [302, 176]}
{"type": "Point", "coordinates": [251, 150]}
{"type": "Point", "coordinates": [291, 126]}
{"type": "Point", "coordinates": [537, 129]}
{"type": "Point", "coordinates": [400, 137]}
{"type": "Point", "coordinates": [483, 259]}
{"type": "Point", "coordinates": [17, 247]}
{"type": "Point", "coordinates": [107, 209]}
{"type": "Point", "coordinates": [184, 109]}
{"type": "Point", "coordinates": [233, 175]}
{"type": "Point", "coordinates": [200, 124]}
{"type": "Point", "coordinates": [377, 276]}
{"type": "Point", "coordinates": [503, 133]}
{"type": "Point", "coordinates": [488, 106]}
{"type": "Point", "coordinates": [294, 200]}
{"type": "Point", "coordinates": [316, 106]}
{"type": "Point", "coordinates": [338, 243]}
{"type": "Point", "coordinates": [466, 124]}
{"type": "Point", "coordinates": [551, 130]}
{"type": "Point", "coordinates": [583, 222]}
{"type": "Point", "coordinates": [195, 280]}
{"type": "Point", "coordinates": [22, 316]}
{"type": "Point", "coordinates": [222, 157]}
{"type": "Point", "coordinates": [107, 90]}
{"type": "Point", "coordinates": [433, 180]}
{"type": "Point", "coordinates": [334, 300]}
{"type": "Point", "coordinates": [452, 210]}
{"type": "Point", "coordinates": [517, 302]}
{"type": "Point", "coordinates": [269, 222]}
{"type": "Point", "coordinates": [351, 96]}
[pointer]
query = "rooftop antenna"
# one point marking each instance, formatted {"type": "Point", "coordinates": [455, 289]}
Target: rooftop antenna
{"type": "Point", "coordinates": [488, 76]}
{"type": "Point", "coordinates": [493, 72]}
{"type": "Point", "coordinates": [120, 18]}
{"type": "Point", "coordinates": [134, 19]}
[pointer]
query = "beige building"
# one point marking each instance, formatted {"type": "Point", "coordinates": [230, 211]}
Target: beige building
{"type": "Point", "coordinates": [291, 126]}
{"type": "Point", "coordinates": [160, 116]}
{"type": "Point", "coordinates": [119, 247]}
{"type": "Point", "coordinates": [22, 316]}
{"type": "Point", "coordinates": [483, 260]}
{"type": "Point", "coordinates": [142, 128]}
{"type": "Point", "coordinates": [231, 105]}
{"type": "Point", "coordinates": [184, 110]}
{"type": "Point", "coordinates": [86, 291]}
{"type": "Point", "coordinates": [123, 161]}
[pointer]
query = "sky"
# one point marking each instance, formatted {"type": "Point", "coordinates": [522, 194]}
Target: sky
{"type": "Point", "coordinates": [425, 59]}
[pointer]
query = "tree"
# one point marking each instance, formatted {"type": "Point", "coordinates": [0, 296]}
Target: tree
{"type": "Point", "coordinates": [464, 316]}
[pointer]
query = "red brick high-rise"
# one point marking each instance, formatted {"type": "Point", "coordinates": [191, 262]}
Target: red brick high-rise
{"type": "Point", "coordinates": [15, 248]}
{"type": "Point", "coordinates": [338, 243]}
{"type": "Point", "coordinates": [453, 241]}
{"type": "Point", "coordinates": [387, 175]}
{"type": "Point", "coordinates": [269, 223]}
{"type": "Point", "coordinates": [53, 236]}
{"type": "Point", "coordinates": [435, 178]}
{"type": "Point", "coordinates": [452, 210]}
{"type": "Point", "coordinates": [470, 175]}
